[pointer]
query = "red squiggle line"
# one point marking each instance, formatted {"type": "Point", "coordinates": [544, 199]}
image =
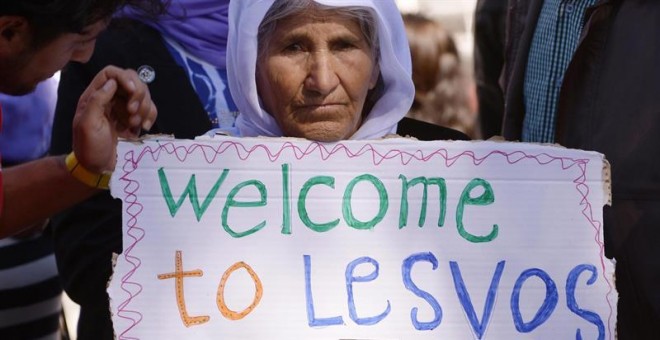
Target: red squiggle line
{"type": "Point", "coordinates": [210, 153]}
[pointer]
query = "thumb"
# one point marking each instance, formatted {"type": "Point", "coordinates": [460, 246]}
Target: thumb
{"type": "Point", "coordinates": [94, 101]}
{"type": "Point", "coordinates": [100, 98]}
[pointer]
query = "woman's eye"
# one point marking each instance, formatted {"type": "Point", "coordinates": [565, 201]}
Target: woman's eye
{"type": "Point", "coordinates": [344, 45]}
{"type": "Point", "coordinates": [294, 47]}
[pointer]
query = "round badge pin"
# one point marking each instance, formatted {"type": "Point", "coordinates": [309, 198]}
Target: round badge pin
{"type": "Point", "coordinates": [146, 73]}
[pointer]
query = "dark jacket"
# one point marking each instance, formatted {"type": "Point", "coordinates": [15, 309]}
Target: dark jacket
{"type": "Point", "coordinates": [609, 102]}
{"type": "Point", "coordinates": [489, 37]}
{"type": "Point", "coordinates": [87, 235]}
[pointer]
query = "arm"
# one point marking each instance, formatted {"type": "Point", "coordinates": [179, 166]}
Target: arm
{"type": "Point", "coordinates": [35, 190]}
{"type": "Point", "coordinates": [115, 104]}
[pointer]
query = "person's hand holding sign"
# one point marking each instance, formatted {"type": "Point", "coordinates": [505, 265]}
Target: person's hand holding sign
{"type": "Point", "coordinates": [116, 104]}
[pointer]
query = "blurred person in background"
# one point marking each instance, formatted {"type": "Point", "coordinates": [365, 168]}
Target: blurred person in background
{"type": "Point", "coordinates": [444, 94]}
{"type": "Point", "coordinates": [489, 36]}
{"type": "Point", "coordinates": [30, 291]}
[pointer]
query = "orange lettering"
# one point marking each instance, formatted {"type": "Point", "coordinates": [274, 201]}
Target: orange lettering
{"type": "Point", "coordinates": [178, 275]}
{"type": "Point", "coordinates": [230, 314]}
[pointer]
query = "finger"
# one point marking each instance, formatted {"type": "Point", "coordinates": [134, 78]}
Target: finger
{"type": "Point", "coordinates": [139, 106]}
{"type": "Point", "coordinates": [99, 99]}
{"type": "Point", "coordinates": [140, 110]}
{"type": "Point", "coordinates": [130, 86]}
{"type": "Point", "coordinates": [151, 117]}
{"type": "Point", "coordinates": [142, 120]}
{"type": "Point", "coordinates": [138, 102]}
{"type": "Point", "coordinates": [137, 93]}
{"type": "Point", "coordinates": [108, 72]}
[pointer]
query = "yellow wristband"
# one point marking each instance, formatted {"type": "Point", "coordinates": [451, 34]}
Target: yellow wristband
{"type": "Point", "coordinates": [99, 181]}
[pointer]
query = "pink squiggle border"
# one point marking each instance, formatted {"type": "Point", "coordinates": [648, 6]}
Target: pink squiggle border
{"type": "Point", "coordinates": [210, 153]}
{"type": "Point", "coordinates": [132, 208]}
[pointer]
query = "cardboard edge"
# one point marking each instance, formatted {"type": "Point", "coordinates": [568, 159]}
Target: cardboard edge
{"type": "Point", "coordinates": [607, 182]}
{"type": "Point", "coordinates": [115, 256]}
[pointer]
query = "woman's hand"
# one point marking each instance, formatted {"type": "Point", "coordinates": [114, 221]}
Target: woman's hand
{"type": "Point", "coordinates": [115, 104]}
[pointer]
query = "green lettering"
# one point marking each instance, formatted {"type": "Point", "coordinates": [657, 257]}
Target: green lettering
{"type": "Point", "coordinates": [191, 192]}
{"type": "Point", "coordinates": [347, 209]}
{"type": "Point", "coordinates": [286, 200]}
{"type": "Point", "coordinates": [486, 198]}
{"type": "Point", "coordinates": [302, 208]}
{"type": "Point", "coordinates": [442, 193]}
{"type": "Point", "coordinates": [231, 202]}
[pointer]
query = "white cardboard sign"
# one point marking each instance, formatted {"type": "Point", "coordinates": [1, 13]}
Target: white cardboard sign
{"type": "Point", "coordinates": [260, 238]}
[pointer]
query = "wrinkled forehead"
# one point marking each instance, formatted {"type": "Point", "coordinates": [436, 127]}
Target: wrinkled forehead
{"type": "Point", "coordinates": [315, 13]}
{"type": "Point", "coordinates": [314, 21]}
{"type": "Point", "coordinates": [283, 12]}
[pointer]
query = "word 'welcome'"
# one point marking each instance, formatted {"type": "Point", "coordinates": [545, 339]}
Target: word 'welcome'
{"type": "Point", "coordinates": [486, 197]}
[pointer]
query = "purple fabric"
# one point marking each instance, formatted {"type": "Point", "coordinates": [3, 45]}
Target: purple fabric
{"type": "Point", "coordinates": [27, 123]}
{"type": "Point", "coordinates": [199, 26]}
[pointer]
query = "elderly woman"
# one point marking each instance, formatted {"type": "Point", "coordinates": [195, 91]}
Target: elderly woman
{"type": "Point", "coordinates": [324, 70]}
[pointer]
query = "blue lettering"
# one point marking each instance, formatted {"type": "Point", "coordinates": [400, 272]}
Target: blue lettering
{"type": "Point", "coordinates": [311, 318]}
{"type": "Point", "coordinates": [571, 282]}
{"type": "Point", "coordinates": [411, 286]}
{"type": "Point", "coordinates": [464, 296]}
{"type": "Point", "coordinates": [349, 288]}
{"type": "Point", "coordinates": [548, 306]}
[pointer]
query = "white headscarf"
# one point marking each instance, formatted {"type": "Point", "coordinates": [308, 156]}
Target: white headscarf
{"type": "Point", "coordinates": [245, 16]}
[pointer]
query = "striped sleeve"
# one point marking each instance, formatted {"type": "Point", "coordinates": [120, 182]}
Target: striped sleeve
{"type": "Point", "coordinates": [30, 291]}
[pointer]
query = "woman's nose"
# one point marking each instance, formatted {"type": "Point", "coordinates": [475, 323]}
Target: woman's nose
{"type": "Point", "coordinates": [321, 76]}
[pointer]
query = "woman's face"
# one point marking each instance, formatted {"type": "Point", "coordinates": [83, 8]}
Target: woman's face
{"type": "Point", "coordinates": [314, 76]}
